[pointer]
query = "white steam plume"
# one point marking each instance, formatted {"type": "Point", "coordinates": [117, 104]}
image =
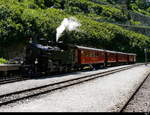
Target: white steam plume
{"type": "Point", "coordinates": [68, 23]}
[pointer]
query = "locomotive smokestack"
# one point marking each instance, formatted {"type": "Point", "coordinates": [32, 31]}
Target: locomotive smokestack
{"type": "Point", "coordinates": [68, 23]}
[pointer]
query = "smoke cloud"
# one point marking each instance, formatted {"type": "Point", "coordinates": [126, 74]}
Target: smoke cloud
{"type": "Point", "coordinates": [69, 24]}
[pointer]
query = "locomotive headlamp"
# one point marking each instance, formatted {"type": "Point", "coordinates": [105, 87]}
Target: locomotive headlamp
{"type": "Point", "coordinates": [60, 42]}
{"type": "Point", "coordinates": [21, 62]}
{"type": "Point", "coordinates": [36, 61]}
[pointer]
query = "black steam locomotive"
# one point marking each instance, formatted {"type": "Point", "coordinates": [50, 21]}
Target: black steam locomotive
{"type": "Point", "coordinates": [46, 58]}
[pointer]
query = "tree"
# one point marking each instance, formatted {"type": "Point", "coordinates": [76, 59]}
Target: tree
{"type": "Point", "coordinates": [141, 4]}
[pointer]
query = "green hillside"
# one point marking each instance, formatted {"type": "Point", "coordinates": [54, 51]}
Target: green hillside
{"type": "Point", "coordinates": [101, 24]}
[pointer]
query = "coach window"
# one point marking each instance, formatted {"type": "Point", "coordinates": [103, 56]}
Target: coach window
{"type": "Point", "coordinates": [93, 54]}
{"type": "Point", "coordinates": [82, 53]}
{"type": "Point", "coordinates": [102, 54]}
{"type": "Point", "coordinates": [96, 54]}
{"type": "Point", "coordinates": [112, 55]}
{"type": "Point", "coordinates": [87, 54]}
{"type": "Point", "coordinates": [99, 54]}
{"type": "Point", "coordinates": [108, 54]}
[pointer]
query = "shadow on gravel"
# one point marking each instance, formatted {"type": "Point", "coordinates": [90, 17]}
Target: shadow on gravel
{"type": "Point", "coordinates": [56, 75]}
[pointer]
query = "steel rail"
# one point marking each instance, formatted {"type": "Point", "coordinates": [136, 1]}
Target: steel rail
{"type": "Point", "coordinates": [27, 93]}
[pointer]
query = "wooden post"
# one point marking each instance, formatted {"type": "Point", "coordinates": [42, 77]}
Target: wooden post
{"type": "Point", "coordinates": [145, 51]}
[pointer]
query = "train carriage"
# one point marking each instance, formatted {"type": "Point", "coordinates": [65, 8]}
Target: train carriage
{"type": "Point", "coordinates": [111, 57]}
{"type": "Point", "coordinates": [131, 58]}
{"type": "Point", "coordinates": [90, 56]}
{"type": "Point", "coordinates": [122, 58]}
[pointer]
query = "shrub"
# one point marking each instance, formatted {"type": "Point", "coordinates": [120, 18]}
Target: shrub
{"type": "Point", "coordinates": [2, 61]}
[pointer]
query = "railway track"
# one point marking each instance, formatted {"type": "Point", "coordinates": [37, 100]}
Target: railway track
{"type": "Point", "coordinates": [134, 93]}
{"type": "Point", "coordinates": [12, 79]}
{"type": "Point", "coordinates": [20, 95]}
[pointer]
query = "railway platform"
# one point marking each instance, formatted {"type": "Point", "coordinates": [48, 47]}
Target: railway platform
{"type": "Point", "coordinates": [9, 67]}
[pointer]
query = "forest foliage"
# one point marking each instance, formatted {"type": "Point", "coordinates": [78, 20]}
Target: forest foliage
{"type": "Point", "coordinates": [22, 19]}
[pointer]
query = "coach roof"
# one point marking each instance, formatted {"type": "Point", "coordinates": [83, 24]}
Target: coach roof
{"type": "Point", "coordinates": [109, 51]}
{"type": "Point", "coordinates": [88, 48]}
{"type": "Point", "coordinates": [131, 54]}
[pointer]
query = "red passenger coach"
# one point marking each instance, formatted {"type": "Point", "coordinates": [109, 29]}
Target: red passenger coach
{"type": "Point", "coordinates": [111, 57]}
{"type": "Point", "coordinates": [131, 58]}
{"type": "Point", "coordinates": [88, 55]}
{"type": "Point", "coordinates": [122, 57]}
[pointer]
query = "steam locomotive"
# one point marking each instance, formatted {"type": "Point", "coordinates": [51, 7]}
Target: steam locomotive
{"type": "Point", "coordinates": [49, 57]}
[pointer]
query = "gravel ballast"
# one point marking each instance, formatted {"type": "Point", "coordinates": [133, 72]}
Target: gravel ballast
{"type": "Point", "coordinates": [141, 100]}
{"type": "Point", "coordinates": [105, 94]}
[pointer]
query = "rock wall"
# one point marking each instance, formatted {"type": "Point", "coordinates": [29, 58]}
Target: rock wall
{"type": "Point", "coordinates": [122, 1]}
{"type": "Point", "coordinates": [142, 30]}
{"type": "Point", "coordinates": [10, 52]}
{"type": "Point", "coordinates": [144, 27]}
{"type": "Point", "coordinates": [99, 2]}
{"type": "Point", "coordinates": [145, 20]}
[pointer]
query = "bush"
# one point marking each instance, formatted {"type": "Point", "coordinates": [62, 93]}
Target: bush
{"type": "Point", "coordinates": [135, 22]}
{"type": "Point", "coordinates": [2, 61]}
